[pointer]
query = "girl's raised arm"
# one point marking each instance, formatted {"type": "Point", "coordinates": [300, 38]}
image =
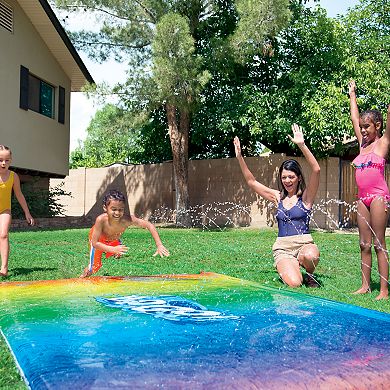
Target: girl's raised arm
{"type": "Point", "coordinates": [314, 179]}
{"type": "Point", "coordinates": [386, 134]}
{"type": "Point", "coordinates": [260, 189]}
{"type": "Point", "coordinates": [354, 110]}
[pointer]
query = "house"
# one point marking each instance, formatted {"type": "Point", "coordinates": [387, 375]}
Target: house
{"type": "Point", "coordinates": [39, 68]}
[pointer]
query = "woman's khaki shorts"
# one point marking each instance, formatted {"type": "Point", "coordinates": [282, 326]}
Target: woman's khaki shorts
{"type": "Point", "coordinates": [289, 247]}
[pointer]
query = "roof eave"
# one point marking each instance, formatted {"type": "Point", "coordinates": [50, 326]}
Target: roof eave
{"type": "Point", "coordinates": [58, 42]}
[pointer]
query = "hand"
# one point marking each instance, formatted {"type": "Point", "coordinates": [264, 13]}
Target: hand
{"type": "Point", "coordinates": [30, 220]}
{"type": "Point", "coordinates": [119, 250]}
{"type": "Point", "coordinates": [162, 251]}
{"type": "Point", "coordinates": [237, 146]}
{"type": "Point", "coordinates": [298, 135]}
{"type": "Point", "coordinates": [351, 86]}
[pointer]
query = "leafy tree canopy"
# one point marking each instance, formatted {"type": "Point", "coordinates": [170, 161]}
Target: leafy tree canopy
{"type": "Point", "coordinates": [314, 58]}
{"type": "Point", "coordinates": [235, 86]}
{"type": "Point", "coordinates": [110, 139]}
{"type": "Point", "coordinates": [176, 48]}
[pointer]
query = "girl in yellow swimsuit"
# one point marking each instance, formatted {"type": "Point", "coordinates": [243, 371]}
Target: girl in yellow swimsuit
{"type": "Point", "coordinates": [9, 181]}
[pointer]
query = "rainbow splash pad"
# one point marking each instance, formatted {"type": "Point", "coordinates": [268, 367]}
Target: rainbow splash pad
{"type": "Point", "coordinates": [205, 331]}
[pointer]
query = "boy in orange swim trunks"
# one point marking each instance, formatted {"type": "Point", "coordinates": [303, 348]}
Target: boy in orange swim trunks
{"type": "Point", "coordinates": [105, 235]}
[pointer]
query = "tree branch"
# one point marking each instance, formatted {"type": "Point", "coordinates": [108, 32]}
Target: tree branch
{"type": "Point", "coordinates": [111, 44]}
{"type": "Point", "coordinates": [98, 10]}
{"type": "Point", "coordinates": [148, 12]}
{"type": "Point", "coordinates": [102, 10]}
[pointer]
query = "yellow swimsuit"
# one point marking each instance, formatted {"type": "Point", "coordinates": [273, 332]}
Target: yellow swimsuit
{"type": "Point", "coordinates": [5, 193]}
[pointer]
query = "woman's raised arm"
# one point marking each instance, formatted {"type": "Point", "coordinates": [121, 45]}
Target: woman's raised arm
{"type": "Point", "coordinates": [260, 189]}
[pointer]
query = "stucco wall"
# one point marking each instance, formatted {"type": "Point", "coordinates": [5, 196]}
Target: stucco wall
{"type": "Point", "coordinates": [218, 192]}
{"type": "Point", "coordinates": [37, 142]}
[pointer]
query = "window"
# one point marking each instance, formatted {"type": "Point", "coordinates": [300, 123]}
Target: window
{"type": "Point", "coordinates": [39, 96]}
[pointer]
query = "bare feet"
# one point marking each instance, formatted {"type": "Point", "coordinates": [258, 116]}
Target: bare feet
{"type": "Point", "coordinates": [362, 290]}
{"type": "Point", "coordinates": [382, 295]}
{"type": "Point", "coordinates": [86, 273]}
{"type": "Point", "coordinates": [3, 274]}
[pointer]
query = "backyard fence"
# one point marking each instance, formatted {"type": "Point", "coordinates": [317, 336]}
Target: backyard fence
{"type": "Point", "coordinates": [219, 196]}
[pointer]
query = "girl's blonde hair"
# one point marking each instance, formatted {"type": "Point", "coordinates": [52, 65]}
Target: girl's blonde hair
{"type": "Point", "coordinates": [3, 147]}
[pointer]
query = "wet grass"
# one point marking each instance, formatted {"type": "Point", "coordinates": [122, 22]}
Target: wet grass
{"type": "Point", "coordinates": [243, 253]}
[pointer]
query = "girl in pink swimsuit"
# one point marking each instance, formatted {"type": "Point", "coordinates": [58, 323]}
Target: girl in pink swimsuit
{"type": "Point", "coordinates": [373, 192]}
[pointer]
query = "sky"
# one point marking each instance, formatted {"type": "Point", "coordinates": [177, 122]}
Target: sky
{"type": "Point", "coordinates": [82, 110]}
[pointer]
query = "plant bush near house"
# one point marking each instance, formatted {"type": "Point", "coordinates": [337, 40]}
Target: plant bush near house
{"type": "Point", "coordinates": [42, 202]}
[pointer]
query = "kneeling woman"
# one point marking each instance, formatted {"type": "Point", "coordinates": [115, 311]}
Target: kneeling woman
{"type": "Point", "coordinates": [294, 246]}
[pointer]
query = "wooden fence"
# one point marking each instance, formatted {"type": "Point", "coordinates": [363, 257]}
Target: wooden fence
{"type": "Point", "coordinates": [218, 193]}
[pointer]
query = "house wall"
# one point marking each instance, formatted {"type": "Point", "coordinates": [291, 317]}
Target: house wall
{"type": "Point", "coordinates": [218, 193]}
{"type": "Point", "coordinates": [37, 142]}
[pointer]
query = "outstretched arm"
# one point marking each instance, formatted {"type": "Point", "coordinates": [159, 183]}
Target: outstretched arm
{"type": "Point", "coordinates": [161, 250]}
{"type": "Point", "coordinates": [22, 200]}
{"type": "Point", "coordinates": [354, 110]}
{"type": "Point", "coordinates": [260, 189]}
{"type": "Point", "coordinates": [314, 179]}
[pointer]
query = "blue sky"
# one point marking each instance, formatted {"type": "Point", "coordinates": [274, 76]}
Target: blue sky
{"type": "Point", "coordinates": [335, 7]}
{"type": "Point", "coordinates": [83, 110]}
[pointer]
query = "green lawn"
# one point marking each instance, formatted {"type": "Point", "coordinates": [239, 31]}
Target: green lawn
{"type": "Point", "coordinates": [242, 253]}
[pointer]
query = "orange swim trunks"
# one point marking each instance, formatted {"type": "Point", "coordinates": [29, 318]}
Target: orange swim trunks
{"type": "Point", "coordinates": [95, 255]}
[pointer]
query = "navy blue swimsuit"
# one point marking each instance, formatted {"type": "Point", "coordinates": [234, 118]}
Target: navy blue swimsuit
{"type": "Point", "coordinates": [294, 221]}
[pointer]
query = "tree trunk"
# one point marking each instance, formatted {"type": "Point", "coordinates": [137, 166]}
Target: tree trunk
{"type": "Point", "coordinates": [179, 135]}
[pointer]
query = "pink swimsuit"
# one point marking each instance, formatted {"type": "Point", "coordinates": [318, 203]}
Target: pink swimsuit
{"type": "Point", "coordinates": [370, 177]}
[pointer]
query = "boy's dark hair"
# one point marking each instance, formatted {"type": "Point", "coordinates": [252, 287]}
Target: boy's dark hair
{"type": "Point", "coordinates": [374, 116]}
{"type": "Point", "coordinates": [113, 195]}
{"type": "Point", "coordinates": [291, 165]}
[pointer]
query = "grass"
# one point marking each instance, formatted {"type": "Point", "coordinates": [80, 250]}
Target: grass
{"type": "Point", "coordinates": [242, 253]}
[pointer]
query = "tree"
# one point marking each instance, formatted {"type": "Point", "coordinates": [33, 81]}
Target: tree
{"type": "Point", "coordinates": [115, 136]}
{"type": "Point", "coordinates": [167, 50]}
{"type": "Point", "coordinates": [306, 55]}
{"type": "Point", "coordinates": [110, 138]}
{"type": "Point", "coordinates": [312, 62]}
{"type": "Point", "coordinates": [364, 37]}
{"type": "Point", "coordinates": [367, 36]}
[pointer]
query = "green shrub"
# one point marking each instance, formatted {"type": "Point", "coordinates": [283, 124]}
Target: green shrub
{"type": "Point", "coordinates": [42, 202]}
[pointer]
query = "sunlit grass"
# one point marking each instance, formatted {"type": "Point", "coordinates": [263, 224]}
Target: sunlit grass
{"type": "Point", "coordinates": [242, 253]}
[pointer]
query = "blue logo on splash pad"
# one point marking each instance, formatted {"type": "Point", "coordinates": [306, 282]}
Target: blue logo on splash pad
{"type": "Point", "coordinates": [168, 307]}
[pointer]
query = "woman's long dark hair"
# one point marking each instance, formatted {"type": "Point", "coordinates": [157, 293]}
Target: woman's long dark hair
{"type": "Point", "coordinates": [291, 165]}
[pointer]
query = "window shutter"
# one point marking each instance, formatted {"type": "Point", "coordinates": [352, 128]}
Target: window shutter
{"type": "Point", "coordinates": [61, 105]}
{"type": "Point", "coordinates": [6, 16]}
{"type": "Point", "coordinates": [24, 84]}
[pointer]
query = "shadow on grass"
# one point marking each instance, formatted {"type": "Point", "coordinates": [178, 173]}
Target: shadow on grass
{"type": "Point", "coordinates": [25, 271]}
{"type": "Point", "coordinates": [28, 229]}
{"type": "Point", "coordinates": [375, 286]}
